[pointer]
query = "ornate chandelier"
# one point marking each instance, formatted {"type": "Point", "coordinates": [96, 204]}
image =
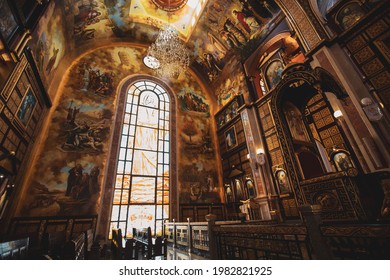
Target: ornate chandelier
{"type": "Point", "coordinates": [167, 55]}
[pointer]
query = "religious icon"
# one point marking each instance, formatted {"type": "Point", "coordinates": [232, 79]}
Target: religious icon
{"type": "Point", "coordinates": [228, 193]}
{"type": "Point", "coordinates": [282, 181]}
{"type": "Point", "coordinates": [274, 73]}
{"type": "Point", "coordinates": [342, 161]}
{"type": "Point", "coordinates": [239, 189]}
{"type": "Point", "coordinates": [295, 122]}
{"type": "Point", "coordinates": [27, 107]}
{"type": "Point", "coordinates": [349, 15]}
{"type": "Point", "coordinates": [250, 187]}
{"type": "Point", "coordinates": [230, 137]}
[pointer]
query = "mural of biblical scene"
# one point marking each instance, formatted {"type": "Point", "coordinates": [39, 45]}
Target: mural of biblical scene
{"type": "Point", "coordinates": [68, 174]}
{"type": "Point", "coordinates": [230, 26]}
{"type": "Point", "coordinates": [67, 177]}
{"type": "Point", "coordinates": [198, 184]}
{"type": "Point", "coordinates": [96, 81]}
{"type": "Point", "coordinates": [193, 102]}
{"type": "Point", "coordinates": [232, 83]}
{"type": "Point", "coordinates": [50, 41]}
{"type": "Point", "coordinates": [91, 21]}
{"type": "Point", "coordinates": [84, 132]}
{"type": "Point", "coordinates": [197, 166]}
{"type": "Point", "coordinates": [195, 134]}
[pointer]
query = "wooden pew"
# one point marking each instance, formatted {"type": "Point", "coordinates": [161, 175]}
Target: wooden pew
{"type": "Point", "coordinates": [116, 244]}
{"type": "Point", "coordinates": [151, 247]}
{"type": "Point", "coordinates": [14, 250]}
{"type": "Point", "coordinates": [118, 251]}
{"type": "Point", "coordinates": [75, 249]}
{"type": "Point", "coordinates": [52, 245]}
{"type": "Point", "coordinates": [89, 254]}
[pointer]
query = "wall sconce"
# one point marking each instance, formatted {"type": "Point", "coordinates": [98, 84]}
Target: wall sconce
{"type": "Point", "coordinates": [258, 159]}
{"type": "Point", "coordinates": [337, 114]}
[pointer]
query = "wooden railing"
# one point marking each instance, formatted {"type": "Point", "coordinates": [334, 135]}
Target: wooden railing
{"type": "Point", "coordinates": [358, 241]}
{"type": "Point", "coordinates": [310, 239]}
{"type": "Point", "coordinates": [194, 237]}
{"type": "Point", "coordinates": [252, 242]}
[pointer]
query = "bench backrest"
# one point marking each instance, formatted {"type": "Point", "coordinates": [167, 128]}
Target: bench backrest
{"type": "Point", "coordinates": [88, 240]}
{"type": "Point", "coordinates": [75, 248]}
{"type": "Point", "coordinates": [52, 244]}
{"type": "Point", "coordinates": [14, 250]}
{"type": "Point", "coordinates": [116, 244]}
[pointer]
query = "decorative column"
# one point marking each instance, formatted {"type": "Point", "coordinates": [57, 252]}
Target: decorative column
{"type": "Point", "coordinates": [257, 158]}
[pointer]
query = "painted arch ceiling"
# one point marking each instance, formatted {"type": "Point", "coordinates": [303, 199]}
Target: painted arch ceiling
{"type": "Point", "coordinates": [212, 30]}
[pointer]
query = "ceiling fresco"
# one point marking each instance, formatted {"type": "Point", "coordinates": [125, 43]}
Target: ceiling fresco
{"type": "Point", "coordinates": [183, 19]}
{"type": "Point", "coordinates": [216, 32]}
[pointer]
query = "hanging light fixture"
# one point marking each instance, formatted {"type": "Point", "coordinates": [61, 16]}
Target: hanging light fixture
{"type": "Point", "coordinates": [168, 56]}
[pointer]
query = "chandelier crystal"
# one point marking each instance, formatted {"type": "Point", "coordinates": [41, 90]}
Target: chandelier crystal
{"type": "Point", "coordinates": [168, 50]}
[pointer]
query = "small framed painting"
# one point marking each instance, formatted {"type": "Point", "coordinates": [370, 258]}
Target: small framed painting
{"type": "Point", "coordinates": [230, 138]}
{"type": "Point", "coordinates": [26, 108]}
{"type": "Point", "coordinates": [282, 181]}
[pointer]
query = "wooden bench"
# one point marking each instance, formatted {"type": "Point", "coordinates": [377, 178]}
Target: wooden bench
{"type": "Point", "coordinates": [75, 249]}
{"type": "Point", "coordinates": [14, 250]}
{"type": "Point", "coordinates": [89, 249]}
{"type": "Point", "coordinates": [52, 245]}
{"type": "Point", "coordinates": [80, 247]}
{"type": "Point", "coordinates": [151, 247]}
{"type": "Point", "coordinates": [118, 251]}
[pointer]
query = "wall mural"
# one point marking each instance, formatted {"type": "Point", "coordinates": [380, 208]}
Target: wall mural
{"type": "Point", "coordinates": [232, 83]}
{"type": "Point", "coordinates": [69, 171]}
{"type": "Point", "coordinates": [228, 27]}
{"type": "Point", "coordinates": [197, 168]}
{"type": "Point", "coordinates": [49, 43]}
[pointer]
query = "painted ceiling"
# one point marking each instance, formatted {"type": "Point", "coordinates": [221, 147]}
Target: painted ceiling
{"type": "Point", "coordinates": [213, 30]}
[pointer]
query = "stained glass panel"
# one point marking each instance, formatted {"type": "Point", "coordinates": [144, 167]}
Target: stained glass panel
{"type": "Point", "coordinates": [118, 181]}
{"type": "Point", "coordinates": [148, 117]}
{"type": "Point", "coordinates": [143, 190]}
{"type": "Point", "coordinates": [146, 138]}
{"type": "Point", "coordinates": [149, 99]}
{"type": "Point", "coordinates": [142, 216]}
{"type": "Point", "coordinates": [145, 162]}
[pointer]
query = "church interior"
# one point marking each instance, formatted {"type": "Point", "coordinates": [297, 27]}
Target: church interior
{"type": "Point", "coordinates": [182, 129]}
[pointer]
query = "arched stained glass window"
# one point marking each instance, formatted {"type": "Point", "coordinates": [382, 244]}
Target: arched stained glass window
{"type": "Point", "coordinates": [141, 194]}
